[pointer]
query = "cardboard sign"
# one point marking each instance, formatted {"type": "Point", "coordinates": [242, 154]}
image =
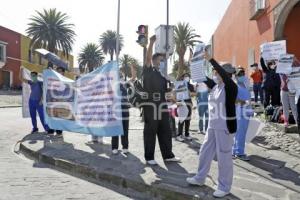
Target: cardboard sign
{"type": "Point", "coordinates": [197, 66]}
{"type": "Point", "coordinates": [284, 65]}
{"type": "Point", "coordinates": [182, 91]}
{"type": "Point", "coordinates": [273, 50]}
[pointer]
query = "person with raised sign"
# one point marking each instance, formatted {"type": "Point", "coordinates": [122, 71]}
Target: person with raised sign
{"type": "Point", "coordinates": [222, 124]}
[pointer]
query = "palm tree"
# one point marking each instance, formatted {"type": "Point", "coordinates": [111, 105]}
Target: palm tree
{"type": "Point", "coordinates": [108, 43]}
{"type": "Point", "coordinates": [126, 61]}
{"type": "Point", "coordinates": [91, 56]}
{"type": "Point", "coordinates": [185, 38]}
{"type": "Point", "coordinates": [50, 30]}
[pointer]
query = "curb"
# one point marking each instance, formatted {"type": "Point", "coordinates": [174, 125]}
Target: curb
{"type": "Point", "coordinates": [11, 106]}
{"type": "Point", "coordinates": [155, 191]}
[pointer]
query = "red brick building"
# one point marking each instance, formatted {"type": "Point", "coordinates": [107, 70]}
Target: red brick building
{"type": "Point", "coordinates": [249, 23]}
{"type": "Point", "coordinates": [10, 56]}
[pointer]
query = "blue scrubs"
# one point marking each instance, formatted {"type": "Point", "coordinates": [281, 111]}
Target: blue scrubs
{"type": "Point", "coordinates": [34, 104]}
{"type": "Point", "coordinates": [242, 114]}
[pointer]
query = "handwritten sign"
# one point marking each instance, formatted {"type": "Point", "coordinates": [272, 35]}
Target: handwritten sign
{"type": "Point", "coordinates": [273, 50]}
{"type": "Point", "coordinates": [197, 66]}
{"type": "Point", "coordinates": [284, 65]}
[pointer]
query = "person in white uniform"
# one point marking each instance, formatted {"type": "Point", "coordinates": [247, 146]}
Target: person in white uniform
{"type": "Point", "coordinates": [221, 126]}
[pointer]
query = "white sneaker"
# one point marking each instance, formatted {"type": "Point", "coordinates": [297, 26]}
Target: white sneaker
{"type": "Point", "coordinates": [125, 151]}
{"type": "Point", "coordinates": [193, 181]}
{"type": "Point", "coordinates": [100, 140]}
{"type": "Point", "coordinates": [115, 151]}
{"type": "Point", "coordinates": [220, 194]}
{"type": "Point", "coordinates": [179, 139]}
{"type": "Point", "coordinates": [151, 162]}
{"type": "Point", "coordinates": [174, 159]}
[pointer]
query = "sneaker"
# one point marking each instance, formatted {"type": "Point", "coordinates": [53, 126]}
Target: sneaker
{"type": "Point", "coordinates": [179, 139]}
{"type": "Point", "coordinates": [50, 132]}
{"type": "Point", "coordinates": [151, 162]}
{"type": "Point", "coordinates": [242, 157]}
{"type": "Point", "coordinates": [59, 135]}
{"type": "Point", "coordinates": [193, 181]}
{"type": "Point", "coordinates": [125, 151]}
{"type": "Point", "coordinates": [34, 130]}
{"type": "Point", "coordinates": [220, 194]}
{"type": "Point", "coordinates": [115, 151]}
{"type": "Point", "coordinates": [174, 159]}
{"type": "Point", "coordinates": [188, 138]}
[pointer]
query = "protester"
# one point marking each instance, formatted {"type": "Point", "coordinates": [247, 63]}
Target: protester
{"type": "Point", "coordinates": [257, 77]}
{"type": "Point", "coordinates": [156, 114]}
{"type": "Point", "coordinates": [61, 71]}
{"type": "Point", "coordinates": [271, 83]}
{"type": "Point", "coordinates": [202, 103]}
{"type": "Point", "coordinates": [293, 89]}
{"type": "Point", "coordinates": [288, 101]}
{"type": "Point", "coordinates": [188, 102]}
{"type": "Point", "coordinates": [243, 112]}
{"type": "Point", "coordinates": [35, 100]}
{"type": "Point", "coordinates": [125, 118]}
{"type": "Point", "coordinates": [221, 126]}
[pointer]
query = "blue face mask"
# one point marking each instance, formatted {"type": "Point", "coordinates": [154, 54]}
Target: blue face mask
{"type": "Point", "coordinates": [241, 79]}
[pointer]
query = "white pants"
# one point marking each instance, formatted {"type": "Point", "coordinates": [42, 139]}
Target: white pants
{"type": "Point", "coordinates": [288, 102]}
{"type": "Point", "coordinates": [217, 142]}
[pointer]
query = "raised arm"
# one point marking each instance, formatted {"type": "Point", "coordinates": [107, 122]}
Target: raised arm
{"type": "Point", "coordinates": [133, 72]}
{"type": "Point", "coordinates": [21, 78]}
{"type": "Point", "coordinates": [263, 65]}
{"type": "Point", "coordinates": [150, 51]}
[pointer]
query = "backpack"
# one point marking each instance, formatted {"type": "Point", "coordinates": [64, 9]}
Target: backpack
{"type": "Point", "coordinates": [269, 110]}
{"type": "Point", "coordinates": [276, 115]}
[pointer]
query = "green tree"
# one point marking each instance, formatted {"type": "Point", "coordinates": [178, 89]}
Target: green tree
{"type": "Point", "coordinates": [91, 56]}
{"type": "Point", "coordinates": [108, 42]}
{"type": "Point", "coordinates": [185, 38]}
{"type": "Point", "coordinates": [126, 61]}
{"type": "Point", "coordinates": [50, 29]}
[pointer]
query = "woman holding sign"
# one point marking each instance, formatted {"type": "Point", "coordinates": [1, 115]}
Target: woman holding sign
{"type": "Point", "coordinates": [222, 125]}
{"type": "Point", "coordinates": [184, 91]}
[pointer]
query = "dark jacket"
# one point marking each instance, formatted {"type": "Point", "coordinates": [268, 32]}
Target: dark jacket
{"type": "Point", "coordinates": [271, 79]}
{"type": "Point", "coordinates": [231, 91]}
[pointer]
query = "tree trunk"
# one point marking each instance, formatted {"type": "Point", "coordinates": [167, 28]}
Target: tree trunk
{"type": "Point", "coordinates": [180, 66]}
{"type": "Point", "coordinates": [111, 55]}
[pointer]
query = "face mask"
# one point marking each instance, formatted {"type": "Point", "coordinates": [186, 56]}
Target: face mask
{"type": "Point", "coordinates": [272, 67]}
{"type": "Point", "coordinates": [241, 79]}
{"type": "Point", "coordinates": [187, 79]}
{"type": "Point", "coordinates": [34, 78]}
{"type": "Point", "coordinates": [216, 80]}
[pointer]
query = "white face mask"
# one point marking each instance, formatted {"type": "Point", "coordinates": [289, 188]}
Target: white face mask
{"type": "Point", "coordinates": [216, 79]}
{"type": "Point", "coordinates": [187, 79]}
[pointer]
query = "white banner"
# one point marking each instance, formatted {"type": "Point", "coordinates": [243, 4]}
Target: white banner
{"type": "Point", "coordinates": [284, 65]}
{"type": "Point", "coordinates": [198, 64]}
{"type": "Point", "coordinates": [273, 50]}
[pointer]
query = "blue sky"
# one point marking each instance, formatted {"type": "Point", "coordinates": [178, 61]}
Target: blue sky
{"type": "Point", "coordinates": [93, 17]}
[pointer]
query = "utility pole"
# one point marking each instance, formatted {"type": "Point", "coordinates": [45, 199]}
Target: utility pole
{"type": "Point", "coordinates": [167, 40]}
{"type": "Point", "coordinates": [118, 34]}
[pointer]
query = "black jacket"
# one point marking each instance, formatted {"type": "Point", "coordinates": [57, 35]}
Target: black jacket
{"type": "Point", "coordinates": [271, 79]}
{"type": "Point", "coordinates": [231, 91]}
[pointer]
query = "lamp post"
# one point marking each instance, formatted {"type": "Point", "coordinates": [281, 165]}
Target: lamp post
{"type": "Point", "coordinates": [118, 34]}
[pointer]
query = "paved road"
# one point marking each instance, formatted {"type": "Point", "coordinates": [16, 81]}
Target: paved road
{"type": "Point", "coordinates": [20, 178]}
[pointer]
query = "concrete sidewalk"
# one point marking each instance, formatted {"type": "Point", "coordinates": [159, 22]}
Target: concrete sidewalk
{"type": "Point", "coordinates": [269, 175]}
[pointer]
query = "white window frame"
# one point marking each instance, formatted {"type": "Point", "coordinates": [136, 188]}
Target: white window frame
{"type": "Point", "coordinates": [3, 46]}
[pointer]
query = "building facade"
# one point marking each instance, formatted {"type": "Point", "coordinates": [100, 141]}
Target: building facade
{"type": "Point", "coordinates": [15, 52]}
{"type": "Point", "coordinates": [249, 23]}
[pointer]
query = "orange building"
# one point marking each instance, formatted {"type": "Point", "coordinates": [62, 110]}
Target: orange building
{"type": "Point", "coordinates": [249, 23]}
